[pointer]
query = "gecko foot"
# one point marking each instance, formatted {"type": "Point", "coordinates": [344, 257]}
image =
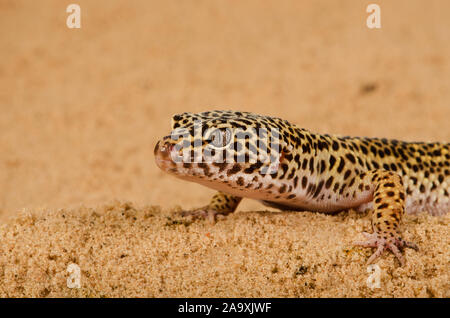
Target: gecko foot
{"type": "Point", "coordinates": [204, 213]}
{"type": "Point", "coordinates": [382, 244]}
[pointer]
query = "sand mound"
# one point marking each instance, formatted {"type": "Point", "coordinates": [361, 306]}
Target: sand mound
{"type": "Point", "coordinates": [123, 251]}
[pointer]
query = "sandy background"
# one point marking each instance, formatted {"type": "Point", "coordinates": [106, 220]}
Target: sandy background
{"type": "Point", "coordinates": [82, 109]}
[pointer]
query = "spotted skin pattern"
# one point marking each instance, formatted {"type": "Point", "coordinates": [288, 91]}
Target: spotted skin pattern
{"type": "Point", "coordinates": [313, 172]}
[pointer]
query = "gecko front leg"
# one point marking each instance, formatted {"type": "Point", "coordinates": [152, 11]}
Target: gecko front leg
{"type": "Point", "coordinates": [388, 210]}
{"type": "Point", "coordinates": [220, 204]}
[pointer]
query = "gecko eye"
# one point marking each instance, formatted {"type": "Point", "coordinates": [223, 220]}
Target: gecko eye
{"type": "Point", "coordinates": [219, 137]}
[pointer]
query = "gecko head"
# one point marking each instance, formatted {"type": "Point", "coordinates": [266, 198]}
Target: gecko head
{"type": "Point", "coordinates": [224, 149]}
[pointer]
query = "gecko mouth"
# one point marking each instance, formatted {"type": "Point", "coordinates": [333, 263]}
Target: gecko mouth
{"type": "Point", "coordinates": [163, 155]}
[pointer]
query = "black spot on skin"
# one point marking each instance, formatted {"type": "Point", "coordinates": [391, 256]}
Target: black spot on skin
{"type": "Point", "coordinates": [422, 188]}
{"type": "Point", "coordinates": [311, 188]}
{"type": "Point", "coordinates": [361, 163]}
{"type": "Point", "coordinates": [390, 193]}
{"type": "Point", "coordinates": [311, 164]}
{"type": "Point", "coordinates": [329, 182]}
{"type": "Point", "coordinates": [249, 170]}
{"type": "Point", "coordinates": [383, 206]}
{"type": "Point", "coordinates": [297, 160]}
{"type": "Point", "coordinates": [364, 149]}
{"type": "Point", "coordinates": [295, 181]}
{"type": "Point", "coordinates": [351, 182]}
{"type": "Point", "coordinates": [305, 163]}
{"type": "Point", "coordinates": [306, 148]}
{"type": "Point", "coordinates": [389, 185]}
{"type": "Point", "coordinates": [282, 189]}
{"type": "Point", "coordinates": [304, 182]}
{"type": "Point", "coordinates": [437, 152]}
{"type": "Point", "coordinates": [335, 145]}
{"type": "Point", "coordinates": [341, 165]}
{"type": "Point", "coordinates": [347, 174]}
{"type": "Point", "coordinates": [336, 187]}
{"type": "Point", "coordinates": [220, 165]}
{"type": "Point", "coordinates": [332, 161]}
{"type": "Point", "coordinates": [284, 167]}
{"type": "Point", "coordinates": [291, 196]}
{"type": "Point", "coordinates": [318, 189]}
{"type": "Point", "coordinates": [288, 156]}
{"type": "Point", "coordinates": [291, 175]}
{"type": "Point", "coordinates": [342, 188]}
{"type": "Point", "coordinates": [240, 181]}
{"type": "Point", "coordinates": [351, 158]}
{"type": "Point", "coordinates": [322, 166]}
{"type": "Point", "coordinates": [235, 169]}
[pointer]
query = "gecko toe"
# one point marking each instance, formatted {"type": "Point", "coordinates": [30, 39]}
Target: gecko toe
{"type": "Point", "coordinates": [382, 244]}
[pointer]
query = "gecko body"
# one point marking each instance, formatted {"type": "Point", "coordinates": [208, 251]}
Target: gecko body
{"type": "Point", "coordinates": [242, 154]}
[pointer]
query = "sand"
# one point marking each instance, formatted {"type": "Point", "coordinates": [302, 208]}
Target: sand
{"type": "Point", "coordinates": [123, 251]}
{"type": "Point", "coordinates": [81, 111]}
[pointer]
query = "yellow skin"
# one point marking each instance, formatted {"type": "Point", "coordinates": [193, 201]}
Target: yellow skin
{"type": "Point", "coordinates": [308, 171]}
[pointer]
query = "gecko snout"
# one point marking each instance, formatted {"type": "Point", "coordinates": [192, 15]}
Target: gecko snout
{"type": "Point", "coordinates": [163, 154]}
